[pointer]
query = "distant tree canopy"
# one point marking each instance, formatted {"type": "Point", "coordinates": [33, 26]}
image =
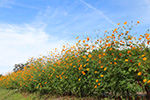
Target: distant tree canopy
{"type": "Point", "coordinates": [18, 67]}
{"type": "Point", "coordinates": [1, 75]}
{"type": "Point", "coordinates": [21, 66]}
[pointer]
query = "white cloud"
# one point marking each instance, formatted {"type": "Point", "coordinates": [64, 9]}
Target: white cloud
{"type": "Point", "coordinates": [19, 43]}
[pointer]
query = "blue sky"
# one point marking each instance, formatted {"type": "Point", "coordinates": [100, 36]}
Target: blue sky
{"type": "Point", "coordinates": [32, 27]}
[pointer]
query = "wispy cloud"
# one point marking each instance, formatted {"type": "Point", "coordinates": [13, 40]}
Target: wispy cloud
{"type": "Point", "coordinates": [100, 12]}
{"type": "Point", "coordinates": [29, 6]}
{"type": "Point", "coordinates": [6, 3]}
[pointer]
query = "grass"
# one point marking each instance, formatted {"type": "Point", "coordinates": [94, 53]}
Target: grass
{"type": "Point", "coordinates": [17, 95]}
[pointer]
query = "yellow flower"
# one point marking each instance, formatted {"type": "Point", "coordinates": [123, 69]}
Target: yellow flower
{"type": "Point", "coordinates": [102, 75]}
{"type": "Point", "coordinates": [115, 58]}
{"type": "Point", "coordinates": [144, 80]}
{"type": "Point", "coordinates": [144, 58]}
{"type": "Point", "coordinates": [139, 73]}
{"type": "Point", "coordinates": [95, 72]}
{"type": "Point", "coordinates": [87, 69]}
{"type": "Point", "coordinates": [126, 60]}
{"type": "Point", "coordinates": [79, 79]}
{"type": "Point", "coordinates": [97, 80]}
{"type": "Point", "coordinates": [74, 66]}
{"type": "Point", "coordinates": [105, 68]}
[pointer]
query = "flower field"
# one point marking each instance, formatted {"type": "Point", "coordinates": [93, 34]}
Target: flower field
{"type": "Point", "coordinates": [117, 65]}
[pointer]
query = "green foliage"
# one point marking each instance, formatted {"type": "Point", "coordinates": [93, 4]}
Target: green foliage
{"type": "Point", "coordinates": [116, 65]}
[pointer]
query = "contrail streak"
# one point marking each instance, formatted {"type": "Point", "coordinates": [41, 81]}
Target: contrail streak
{"type": "Point", "coordinates": [88, 5]}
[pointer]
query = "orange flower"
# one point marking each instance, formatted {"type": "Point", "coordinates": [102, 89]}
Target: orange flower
{"type": "Point", "coordinates": [88, 38]}
{"type": "Point", "coordinates": [97, 80]}
{"type": "Point", "coordinates": [100, 41]}
{"type": "Point", "coordinates": [109, 45]}
{"type": "Point", "coordinates": [140, 38]}
{"type": "Point", "coordinates": [84, 56]}
{"type": "Point", "coordinates": [118, 24]}
{"type": "Point", "coordinates": [138, 22]}
{"type": "Point", "coordinates": [102, 66]}
{"type": "Point", "coordinates": [83, 41]}
{"type": "Point", "coordinates": [83, 72]}
{"type": "Point", "coordinates": [125, 23]}
{"type": "Point", "coordinates": [77, 37]}
{"type": "Point", "coordinates": [45, 83]}
{"type": "Point", "coordinates": [70, 64]}
{"type": "Point", "coordinates": [139, 73]}
{"type": "Point", "coordinates": [89, 55]}
{"type": "Point", "coordinates": [115, 63]}
{"type": "Point", "coordinates": [148, 81]}
{"type": "Point", "coordinates": [110, 49]}
{"type": "Point", "coordinates": [126, 60]}
{"type": "Point", "coordinates": [102, 75]}
{"type": "Point", "coordinates": [98, 83]}
{"type": "Point", "coordinates": [120, 54]}
{"type": "Point", "coordinates": [139, 64]}
{"type": "Point", "coordinates": [95, 86]}
{"type": "Point", "coordinates": [87, 69]}
{"type": "Point", "coordinates": [87, 60]}
{"type": "Point", "coordinates": [144, 58]}
{"type": "Point", "coordinates": [144, 80]}
{"type": "Point", "coordinates": [79, 68]}
{"type": "Point", "coordinates": [129, 51]}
